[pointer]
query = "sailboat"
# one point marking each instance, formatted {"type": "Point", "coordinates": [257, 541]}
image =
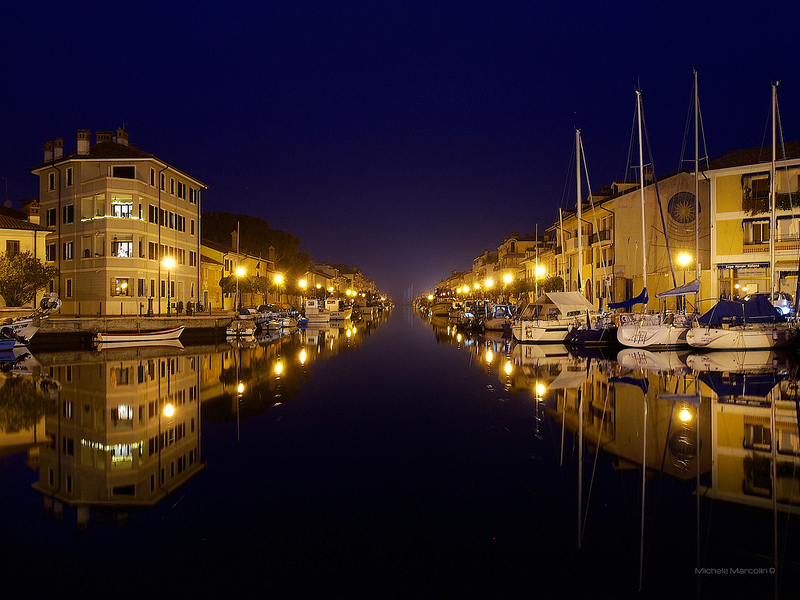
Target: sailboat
{"type": "Point", "coordinates": [602, 331]}
{"type": "Point", "coordinates": [662, 329]}
{"type": "Point", "coordinates": [753, 323]}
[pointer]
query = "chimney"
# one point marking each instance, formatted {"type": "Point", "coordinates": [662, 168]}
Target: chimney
{"type": "Point", "coordinates": [122, 137]}
{"type": "Point", "coordinates": [104, 136]}
{"type": "Point", "coordinates": [233, 240]}
{"type": "Point", "coordinates": [48, 151]}
{"type": "Point", "coordinates": [83, 142]}
{"type": "Point", "coordinates": [31, 208]}
{"type": "Point", "coordinates": [58, 148]}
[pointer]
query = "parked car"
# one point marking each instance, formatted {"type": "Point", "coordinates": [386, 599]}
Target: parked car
{"type": "Point", "coordinates": [780, 300]}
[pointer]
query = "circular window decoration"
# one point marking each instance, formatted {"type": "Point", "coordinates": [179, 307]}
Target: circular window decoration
{"type": "Point", "coordinates": [681, 207]}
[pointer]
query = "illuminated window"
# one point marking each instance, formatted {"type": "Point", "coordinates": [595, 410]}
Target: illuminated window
{"type": "Point", "coordinates": [122, 210]}
{"type": "Point", "coordinates": [121, 287]}
{"type": "Point", "coordinates": [122, 248]}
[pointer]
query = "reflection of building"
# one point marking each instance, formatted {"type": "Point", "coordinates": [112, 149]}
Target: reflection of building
{"type": "Point", "coordinates": [127, 431]}
{"type": "Point", "coordinates": [756, 443]}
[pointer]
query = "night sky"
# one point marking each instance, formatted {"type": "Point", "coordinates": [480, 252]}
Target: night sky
{"type": "Point", "coordinates": [402, 138]}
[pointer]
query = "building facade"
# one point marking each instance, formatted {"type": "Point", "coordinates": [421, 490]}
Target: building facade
{"type": "Point", "coordinates": [115, 213]}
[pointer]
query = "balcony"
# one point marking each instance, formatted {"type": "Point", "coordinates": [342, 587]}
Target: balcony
{"type": "Point", "coordinates": [604, 235]}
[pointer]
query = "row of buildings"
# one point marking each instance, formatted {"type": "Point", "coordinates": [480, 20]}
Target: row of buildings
{"type": "Point", "coordinates": [124, 229]}
{"type": "Point", "coordinates": [726, 244]}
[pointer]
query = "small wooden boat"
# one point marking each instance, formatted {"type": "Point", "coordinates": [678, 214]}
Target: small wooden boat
{"type": "Point", "coordinates": [140, 336]}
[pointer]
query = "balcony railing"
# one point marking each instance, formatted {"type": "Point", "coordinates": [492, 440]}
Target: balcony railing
{"type": "Point", "coordinates": [603, 235]}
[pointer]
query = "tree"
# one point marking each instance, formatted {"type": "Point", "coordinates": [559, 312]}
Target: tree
{"type": "Point", "coordinates": [21, 276]}
{"type": "Point", "coordinates": [553, 284]}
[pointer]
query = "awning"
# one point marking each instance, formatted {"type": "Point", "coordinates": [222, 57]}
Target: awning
{"type": "Point", "coordinates": [570, 303]}
{"type": "Point", "coordinates": [692, 287]}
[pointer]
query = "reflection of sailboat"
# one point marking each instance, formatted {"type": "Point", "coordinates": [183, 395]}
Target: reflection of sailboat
{"type": "Point", "coordinates": [728, 360]}
{"type": "Point", "coordinates": [140, 344]}
{"type": "Point", "coordinates": [662, 362]}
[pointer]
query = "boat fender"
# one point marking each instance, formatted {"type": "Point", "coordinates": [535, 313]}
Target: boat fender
{"type": "Point", "coordinates": [775, 334]}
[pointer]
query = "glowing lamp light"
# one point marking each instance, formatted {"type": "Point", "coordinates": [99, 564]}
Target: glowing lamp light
{"type": "Point", "coordinates": [240, 388]}
{"type": "Point", "coordinates": [508, 278]}
{"type": "Point", "coordinates": [508, 368]}
{"type": "Point", "coordinates": [540, 388]}
{"type": "Point", "coordinates": [169, 410]}
{"type": "Point", "coordinates": [303, 356]}
{"type": "Point", "coordinates": [684, 259]}
{"type": "Point", "coordinates": [685, 415]}
{"type": "Point", "coordinates": [240, 271]}
{"type": "Point", "coordinates": [489, 355]}
{"type": "Point", "coordinates": [540, 271]}
{"type": "Point", "coordinates": [303, 284]}
{"type": "Point", "coordinates": [430, 297]}
{"type": "Point", "coordinates": [278, 279]}
{"type": "Point", "coordinates": [168, 263]}
{"type": "Point", "coordinates": [278, 368]}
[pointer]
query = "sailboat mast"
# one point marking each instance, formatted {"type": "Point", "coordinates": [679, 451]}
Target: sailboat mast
{"type": "Point", "coordinates": [563, 250]}
{"type": "Point", "coordinates": [641, 185]}
{"type": "Point", "coordinates": [696, 181]}
{"type": "Point", "coordinates": [772, 190]}
{"type": "Point", "coordinates": [580, 214]}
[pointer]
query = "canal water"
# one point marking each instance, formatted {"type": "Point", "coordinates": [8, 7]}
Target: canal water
{"type": "Point", "coordinates": [398, 458]}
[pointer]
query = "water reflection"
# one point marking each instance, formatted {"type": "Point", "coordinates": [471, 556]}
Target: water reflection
{"type": "Point", "coordinates": [723, 423]}
{"type": "Point", "coordinates": [118, 427]}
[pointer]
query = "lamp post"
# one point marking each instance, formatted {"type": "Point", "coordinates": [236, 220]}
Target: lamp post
{"type": "Point", "coordinates": [236, 302]}
{"type": "Point", "coordinates": [303, 285]}
{"type": "Point", "coordinates": [168, 263]}
{"type": "Point", "coordinates": [278, 279]}
{"type": "Point", "coordinates": [538, 273]}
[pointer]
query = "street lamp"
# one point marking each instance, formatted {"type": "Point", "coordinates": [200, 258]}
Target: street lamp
{"type": "Point", "coordinates": [684, 260]}
{"type": "Point", "coordinates": [538, 273]}
{"type": "Point", "coordinates": [278, 279]}
{"type": "Point", "coordinates": [168, 263]}
{"type": "Point", "coordinates": [236, 301]}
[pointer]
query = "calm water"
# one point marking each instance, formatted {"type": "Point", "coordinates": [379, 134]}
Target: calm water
{"type": "Point", "coordinates": [396, 458]}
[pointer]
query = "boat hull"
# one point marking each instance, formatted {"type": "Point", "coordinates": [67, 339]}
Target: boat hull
{"type": "Point", "coordinates": [540, 332]}
{"type": "Point", "coordinates": [741, 337]}
{"type": "Point", "coordinates": [142, 336]}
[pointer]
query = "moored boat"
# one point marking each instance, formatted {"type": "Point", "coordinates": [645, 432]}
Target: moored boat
{"type": "Point", "coordinates": [140, 336]}
{"type": "Point", "coordinates": [550, 318]}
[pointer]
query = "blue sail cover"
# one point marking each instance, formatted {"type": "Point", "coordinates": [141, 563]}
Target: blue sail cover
{"type": "Point", "coordinates": [756, 310]}
{"type": "Point", "coordinates": [692, 287]}
{"type": "Point", "coordinates": [640, 299]}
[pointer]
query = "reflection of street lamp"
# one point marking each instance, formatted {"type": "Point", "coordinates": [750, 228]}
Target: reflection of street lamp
{"type": "Point", "coordinates": [168, 263]}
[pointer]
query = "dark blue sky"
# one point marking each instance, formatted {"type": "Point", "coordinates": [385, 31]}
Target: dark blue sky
{"type": "Point", "coordinates": [402, 138]}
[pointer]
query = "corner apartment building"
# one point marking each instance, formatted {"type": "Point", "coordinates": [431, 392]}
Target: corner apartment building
{"type": "Point", "coordinates": [115, 213]}
{"type": "Point", "coordinates": [740, 237]}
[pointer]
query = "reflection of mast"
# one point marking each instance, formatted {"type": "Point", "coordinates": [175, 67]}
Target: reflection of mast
{"type": "Point", "coordinates": [644, 481]}
{"type": "Point", "coordinates": [580, 461]}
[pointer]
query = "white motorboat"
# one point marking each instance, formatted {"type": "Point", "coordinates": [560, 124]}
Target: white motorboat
{"type": "Point", "coordinates": [315, 313]}
{"type": "Point", "coordinates": [23, 329]}
{"type": "Point", "coordinates": [337, 310]}
{"type": "Point", "coordinates": [550, 318]}
{"type": "Point", "coordinates": [500, 318]}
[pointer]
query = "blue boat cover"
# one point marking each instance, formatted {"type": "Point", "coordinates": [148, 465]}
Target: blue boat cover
{"type": "Point", "coordinates": [640, 299]}
{"type": "Point", "coordinates": [756, 310]}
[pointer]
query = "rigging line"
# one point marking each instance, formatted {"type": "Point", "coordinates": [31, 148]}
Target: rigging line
{"type": "Point", "coordinates": [566, 187]}
{"type": "Point", "coordinates": [658, 197]}
{"type": "Point", "coordinates": [682, 160]}
{"type": "Point", "coordinates": [591, 201]}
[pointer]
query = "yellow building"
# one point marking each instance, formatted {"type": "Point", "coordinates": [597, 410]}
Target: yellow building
{"type": "Point", "coordinates": [115, 213]}
{"type": "Point", "coordinates": [19, 234]}
{"type": "Point", "coordinates": [740, 202]}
